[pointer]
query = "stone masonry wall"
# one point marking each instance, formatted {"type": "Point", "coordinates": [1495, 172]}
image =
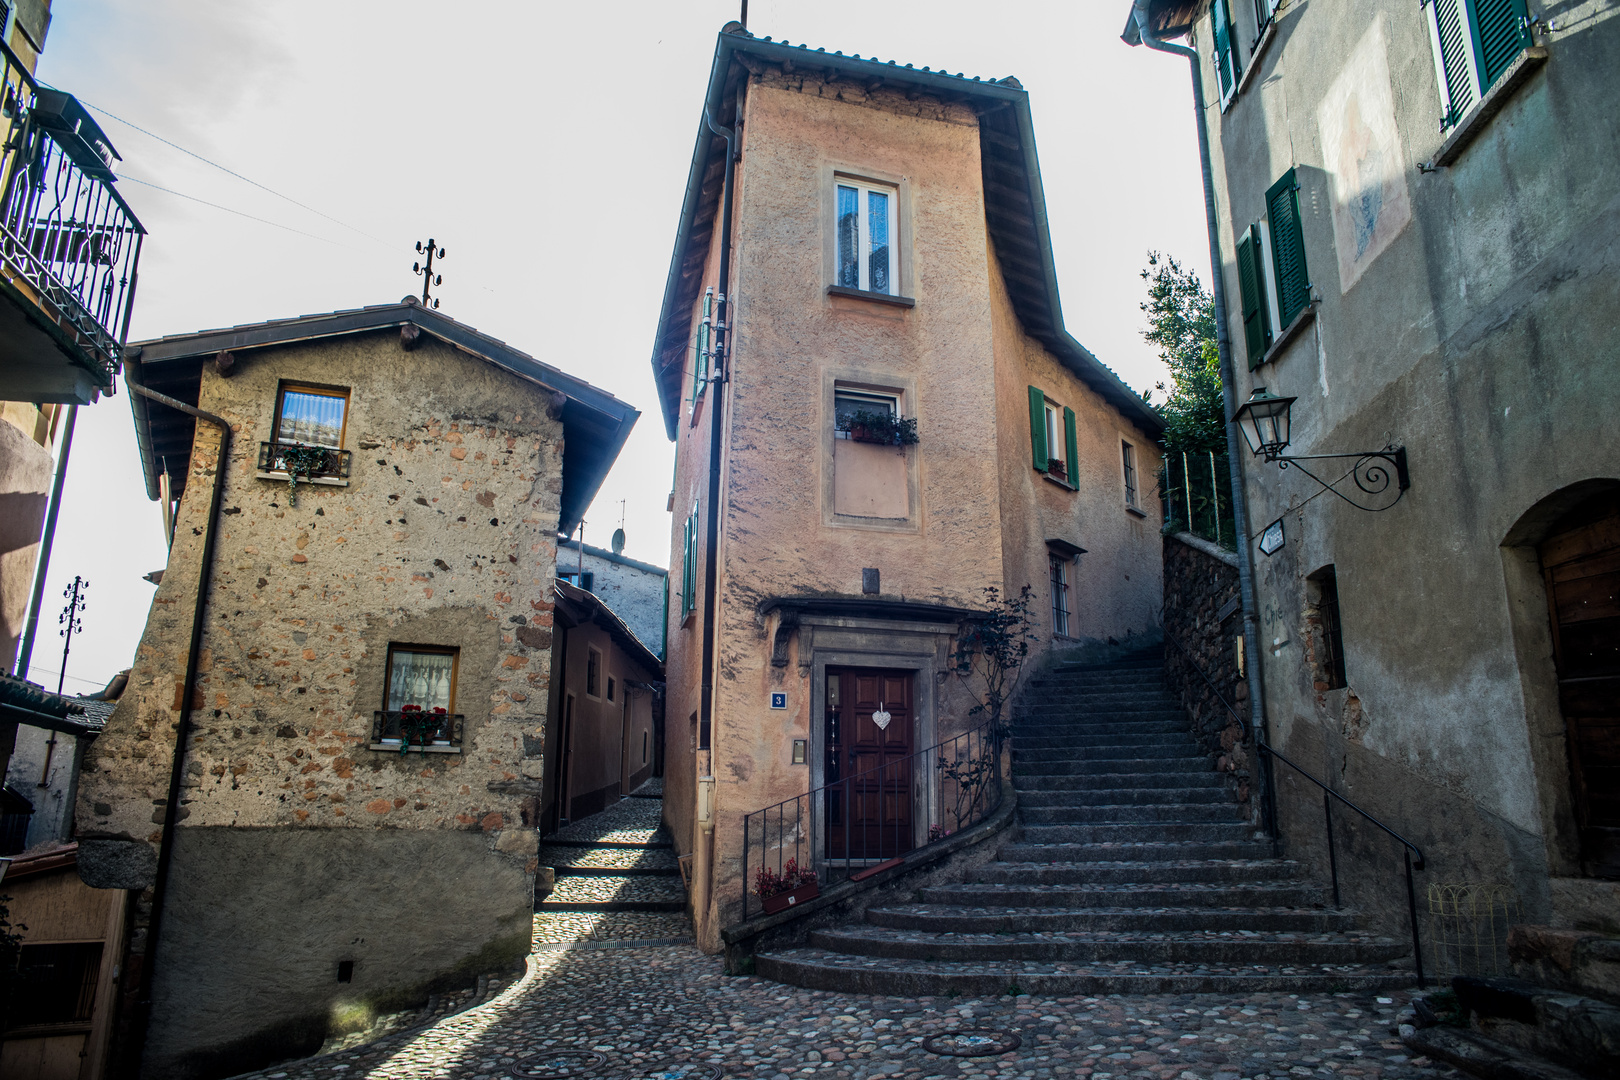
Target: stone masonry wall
{"type": "Point", "coordinates": [1202, 612]}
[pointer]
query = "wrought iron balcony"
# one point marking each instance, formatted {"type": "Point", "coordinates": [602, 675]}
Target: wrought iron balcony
{"type": "Point", "coordinates": [334, 464]}
{"type": "Point", "coordinates": [69, 247]}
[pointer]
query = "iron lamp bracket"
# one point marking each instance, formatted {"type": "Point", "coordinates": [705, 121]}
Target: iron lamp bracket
{"type": "Point", "coordinates": [1371, 473]}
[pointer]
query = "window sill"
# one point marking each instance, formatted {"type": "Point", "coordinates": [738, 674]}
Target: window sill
{"type": "Point", "coordinates": [1256, 53]}
{"type": "Point", "coordinates": [862, 294]}
{"type": "Point", "coordinates": [436, 748]}
{"type": "Point", "coordinates": [1474, 121]}
{"type": "Point", "coordinates": [1134, 512]}
{"type": "Point", "coordinates": [1286, 338]}
{"type": "Point", "coordinates": [1059, 481]}
{"type": "Point", "coordinates": [328, 481]}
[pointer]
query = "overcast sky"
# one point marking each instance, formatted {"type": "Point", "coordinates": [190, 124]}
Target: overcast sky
{"type": "Point", "coordinates": [545, 145]}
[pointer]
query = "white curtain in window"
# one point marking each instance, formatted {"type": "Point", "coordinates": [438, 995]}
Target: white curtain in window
{"type": "Point", "coordinates": [421, 679]}
{"type": "Point", "coordinates": [311, 419]}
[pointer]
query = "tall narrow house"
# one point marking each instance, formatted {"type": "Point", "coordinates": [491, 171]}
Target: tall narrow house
{"type": "Point", "coordinates": [878, 414]}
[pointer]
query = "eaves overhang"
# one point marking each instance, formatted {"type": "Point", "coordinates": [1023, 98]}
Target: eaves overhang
{"type": "Point", "coordinates": [1015, 208]}
{"type": "Point", "coordinates": [1168, 19]}
{"type": "Point", "coordinates": [595, 423]}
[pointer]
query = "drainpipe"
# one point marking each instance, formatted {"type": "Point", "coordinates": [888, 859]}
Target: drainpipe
{"type": "Point", "coordinates": [26, 652]}
{"type": "Point", "coordinates": [182, 731]}
{"type": "Point", "coordinates": [720, 375]}
{"type": "Point", "coordinates": [1234, 444]}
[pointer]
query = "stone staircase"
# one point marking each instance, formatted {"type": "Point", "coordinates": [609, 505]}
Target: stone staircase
{"type": "Point", "coordinates": [618, 860]}
{"type": "Point", "coordinates": [1135, 873]}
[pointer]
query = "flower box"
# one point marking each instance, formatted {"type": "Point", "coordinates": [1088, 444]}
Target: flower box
{"type": "Point", "coordinates": [784, 900]}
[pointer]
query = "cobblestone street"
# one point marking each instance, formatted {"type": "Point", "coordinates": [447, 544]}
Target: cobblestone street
{"type": "Point", "coordinates": [670, 1009]}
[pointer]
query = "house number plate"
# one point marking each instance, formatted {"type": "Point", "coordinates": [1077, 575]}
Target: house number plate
{"type": "Point", "coordinates": [778, 701]}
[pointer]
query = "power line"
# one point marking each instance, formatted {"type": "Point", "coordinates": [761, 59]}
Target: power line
{"type": "Point", "coordinates": [228, 210]}
{"type": "Point", "coordinates": [231, 172]}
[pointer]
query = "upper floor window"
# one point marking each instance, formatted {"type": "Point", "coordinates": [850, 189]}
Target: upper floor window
{"type": "Point", "coordinates": [1052, 438]}
{"type": "Point", "coordinates": [1228, 72]}
{"type": "Point", "coordinates": [1273, 280]}
{"type": "Point", "coordinates": [1475, 42]}
{"type": "Point", "coordinates": [864, 226]}
{"type": "Point", "coordinates": [580, 579]}
{"type": "Point", "coordinates": [312, 415]}
{"type": "Point", "coordinates": [702, 350]}
{"type": "Point", "coordinates": [1127, 454]}
{"type": "Point", "coordinates": [689, 552]}
{"type": "Point", "coordinates": [593, 673]}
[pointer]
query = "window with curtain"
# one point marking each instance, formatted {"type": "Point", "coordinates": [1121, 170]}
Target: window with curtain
{"type": "Point", "coordinates": [864, 226]}
{"type": "Point", "coordinates": [420, 679]}
{"type": "Point", "coordinates": [312, 416]}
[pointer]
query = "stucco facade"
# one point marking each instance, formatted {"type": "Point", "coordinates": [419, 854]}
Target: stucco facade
{"type": "Point", "coordinates": [834, 554]}
{"type": "Point", "coordinates": [370, 875]}
{"type": "Point", "coordinates": [1461, 303]}
{"type": "Point", "coordinates": [633, 589]}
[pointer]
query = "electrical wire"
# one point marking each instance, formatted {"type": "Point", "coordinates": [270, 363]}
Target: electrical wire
{"type": "Point", "coordinates": [228, 210]}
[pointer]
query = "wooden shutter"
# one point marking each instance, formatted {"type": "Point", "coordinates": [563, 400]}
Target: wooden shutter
{"type": "Point", "coordinates": [1037, 428]}
{"type": "Point", "coordinates": [1252, 288]}
{"type": "Point", "coordinates": [1501, 31]}
{"type": "Point", "coordinates": [689, 564]}
{"type": "Point", "coordinates": [1288, 249]}
{"type": "Point", "coordinates": [1071, 446]}
{"type": "Point", "coordinates": [1453, 47]}
{"type": "Point", "coordinates": [1227, 68]}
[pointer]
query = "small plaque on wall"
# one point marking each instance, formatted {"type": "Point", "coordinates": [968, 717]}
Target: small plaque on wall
{"type": "Point", "coordinates": [800, 747]}
{"type": "Point", "coordinates": [1271, 541]}
{"type": "Point", "coordinates": [778, 701]}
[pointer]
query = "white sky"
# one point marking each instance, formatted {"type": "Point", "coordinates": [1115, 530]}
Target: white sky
{"type": "Point", "coordinates": [545, 145]}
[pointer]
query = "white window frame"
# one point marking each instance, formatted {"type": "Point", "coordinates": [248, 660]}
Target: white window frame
{"type": "Point", "coordinates": [1440, 79]}
{"type": "Point", "coordinates": [863, 240]}
{"type": "Point", "coordinates": [1268, 276]}
{"type": "Point", "coordinates": [1056, 436]}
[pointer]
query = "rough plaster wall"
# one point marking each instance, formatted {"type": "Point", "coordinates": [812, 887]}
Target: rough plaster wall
{"type": "Point", "coordinates": [600, 725]}
{"type": "Point", "coordinates": [635, 595]}
{"type": "Point", "coordinates": [25, 485]}
{"type": "Point", "coordinates": [34, 758]}
{"type": "Point", "coordinates": [1480, 339]}
{"type": "Point", "coordinates": [445, 535]}
{"type": "Point", "coordinates": [1116, 590]}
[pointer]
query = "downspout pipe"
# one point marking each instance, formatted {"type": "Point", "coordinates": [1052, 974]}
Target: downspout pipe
{"type": "Point", "coordinates": [1234, 442]}
{"type": "Point", "coordinates": [182, 731]}
{"type": "Point", "coordinates": [26, 653]}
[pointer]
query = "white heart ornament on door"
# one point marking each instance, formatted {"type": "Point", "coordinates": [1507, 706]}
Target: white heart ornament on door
{"type": "Point", "coordinates": [881, 718]}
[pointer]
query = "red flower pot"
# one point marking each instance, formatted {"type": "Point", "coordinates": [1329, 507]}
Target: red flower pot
{"type": "Point", "coordinates": [784, 900]}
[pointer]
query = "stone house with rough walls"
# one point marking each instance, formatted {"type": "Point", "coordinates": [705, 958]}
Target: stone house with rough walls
{"type": "Point", "coordinates": [350, 822]}
{"type": "Point", "coordinates": [1417, 238]}
{"type": "Point", "coordinates": [874, 242]}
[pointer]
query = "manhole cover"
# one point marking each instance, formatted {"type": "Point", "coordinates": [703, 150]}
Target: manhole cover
{"type": "Point", "coordinates": [972, 1043]}
{"type": "Point", "coordinates": [558, 1064]}
{"type": "Point", "coordinates": [680, 1070]}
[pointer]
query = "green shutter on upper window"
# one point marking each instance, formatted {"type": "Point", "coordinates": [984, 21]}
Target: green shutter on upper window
{"type": "Point", "coordinates": [1227, 68]}
{"type": "Point", "coordinates": [1452, 30]}
{"type": "Point", "coordinates": [1288, 250]}
{"type": "Point", "coordinates": [1071, 446]}
{"type": "Point", "coordinates": [1252, 289]}
{"type": "Point", "coordinates": [1501, 31]}
{"type": "Point", "coordinates": [1037, 428]}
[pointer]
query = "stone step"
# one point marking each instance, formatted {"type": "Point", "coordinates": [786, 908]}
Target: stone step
{"type": "Point", "coordinates": [610, 860]}
{"type": "Point", "coordinates": [1210, 947]}
{"type": "Point", "coordinates": [622, 893]}
{"type": "Point", "coordinates": [1106, 783]}
{"type": "Point", "coordinates": [1060, 715]}
{"type": "Point", "coordinates": [818, 969]}
{"type": "Point", "coordinates": [1023, 732]}
{"type": "Point", "coordinates": [1147, 796]}
{"type": "Point", "coordinates": [1119, 814]}
{"type": "Point", "coordinates": [1114, 765]}
{"type": "Point", "coordinates": [982, 919]}
{"type": "Point", "coordinates": [1165, 870]}
{"type": "Point", "coordinates": [1160, 832]}
{"type": "Point", "coordinates": [1081, 740]}
{"type": "Point", "coordinates": [1130, 853]}
{"type": "Point", "coordinates": [1180, 894]}
{"type": "Point", "coordinates": [1132, 751]}
{"type": "Point", "coordinates": [1088, 700]}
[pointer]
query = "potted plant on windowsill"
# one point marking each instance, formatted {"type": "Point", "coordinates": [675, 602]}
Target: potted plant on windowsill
{"type": "Point", "coordinates": [310, 461]}
{"type": "Point", "coordinates": [778, 892]}
{"type": "Point", "coordinates": [1059, 468]}
{"type": "Point", "coordinates": [420, 726]}
{"type": "Point", "coordinates": [883, 428]}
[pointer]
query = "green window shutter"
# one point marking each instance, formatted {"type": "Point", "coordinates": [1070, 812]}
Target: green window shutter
{"type": "Point", "coordinates": [1501, 30]}
{"type": "Point", "coordinates": [1252, 287]}
{"type": "Point", "coordinates": [1227, 68]}
{"type": "Point", "coordinates": [1453, 41]}
{"type": "Point", "coordinates": [1037, 428]}
{"type": "Point", "coordinates": [1288, 249]}
{"type": "Point", "coordinates": [689, 564]}
{"type": "Point", "coordinates": [1071, 446]}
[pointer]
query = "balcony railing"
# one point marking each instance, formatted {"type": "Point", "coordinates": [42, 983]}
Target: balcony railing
{"type": "Point", "coordinates": [67, 238]}
{"type": "Point", "coordinates": [333, 466]}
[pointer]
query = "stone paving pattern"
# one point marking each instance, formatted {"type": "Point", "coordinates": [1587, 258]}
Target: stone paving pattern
{"type": "Point", "coordinates": [608, 858]}
{"type": "Point", "coordinates": [649, 1008]}
{"type": "Point", "coordinates": [628, 821]}
{"type": "Point", "coordinates": [561, 927]}
{"type": "Point", "coordinates": [609, 890]}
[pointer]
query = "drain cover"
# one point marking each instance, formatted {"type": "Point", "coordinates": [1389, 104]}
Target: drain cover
{"type": "Point", "coordinates": [978, 1043]}
{"type": "Point", "coordinates": [558, 1064]}
{"type": "Point", "coordinates": [680, 1070]}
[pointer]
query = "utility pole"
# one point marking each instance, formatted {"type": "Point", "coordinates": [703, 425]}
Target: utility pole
{"type": "Point", "coordinates": [429, 278]}
{"type": "Point", "coordinates": [71, 622]}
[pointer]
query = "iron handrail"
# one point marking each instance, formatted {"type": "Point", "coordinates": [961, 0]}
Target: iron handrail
{"type": "Point", "coordinates": [1408, 849]}
{"type": "Point", "coordinates": [971, 761]}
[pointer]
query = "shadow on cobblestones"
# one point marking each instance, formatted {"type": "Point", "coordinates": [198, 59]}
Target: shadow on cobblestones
{"type": "Point", "coordinates": [646, 1009]}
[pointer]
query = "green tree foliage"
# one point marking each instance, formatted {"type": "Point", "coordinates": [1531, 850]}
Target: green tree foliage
{"type": "Point", "coordinates": [1181, 322]}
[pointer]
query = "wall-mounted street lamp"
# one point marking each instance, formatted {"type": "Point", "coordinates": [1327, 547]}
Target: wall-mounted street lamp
{"type": "Point", "coordinates": [1264, 421]}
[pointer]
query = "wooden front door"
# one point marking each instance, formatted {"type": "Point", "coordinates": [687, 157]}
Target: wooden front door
{"type": "Point", "coordinates": [868, 764]}
{"type": "Point", "coordinates": [1581, 561]}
